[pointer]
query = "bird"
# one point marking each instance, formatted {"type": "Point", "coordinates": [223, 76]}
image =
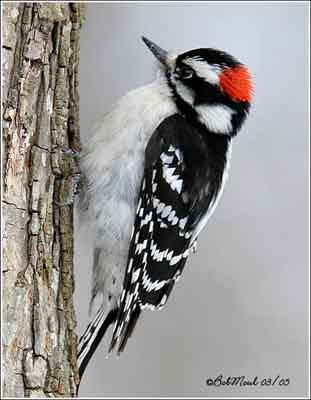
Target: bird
{"type": "Point", "coordinates": [154, 170]}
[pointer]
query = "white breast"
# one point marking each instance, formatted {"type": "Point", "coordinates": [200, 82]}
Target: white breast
{"type": "Point", "coordinates": [113, 163]}
{"type": "Point", "coordinates": [113, 157]}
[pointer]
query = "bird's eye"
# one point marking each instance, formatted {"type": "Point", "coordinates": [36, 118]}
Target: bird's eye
{"type": "Point", "coordinates": [184, 72]}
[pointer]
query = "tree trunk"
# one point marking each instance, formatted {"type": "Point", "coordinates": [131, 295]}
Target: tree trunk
{"type": "Point", "coordinates": [40, 59]}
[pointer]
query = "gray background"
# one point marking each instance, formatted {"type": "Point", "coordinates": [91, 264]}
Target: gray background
{"type": "Point", "coordinates": [240, 307]}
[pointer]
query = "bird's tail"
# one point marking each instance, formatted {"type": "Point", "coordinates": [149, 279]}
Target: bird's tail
{"type": "Point", "coordinates": [93, 335]}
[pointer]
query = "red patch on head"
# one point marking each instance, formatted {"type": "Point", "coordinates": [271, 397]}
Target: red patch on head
{"type": "Point", "coordinates": [237, 83]}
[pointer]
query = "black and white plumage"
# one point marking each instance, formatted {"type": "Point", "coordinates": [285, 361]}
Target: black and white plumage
{"type": "Point", "coordinates": [181, 183]}
{"type": "Point", "coordinates": [156, 168]}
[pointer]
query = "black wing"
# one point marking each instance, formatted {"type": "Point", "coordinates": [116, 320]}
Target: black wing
{"type": "Point", "coordinates": [180, 184]}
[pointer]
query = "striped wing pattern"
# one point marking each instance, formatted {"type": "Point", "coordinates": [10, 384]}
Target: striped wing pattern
{"type": "Point", "coordinates": [159, 244]}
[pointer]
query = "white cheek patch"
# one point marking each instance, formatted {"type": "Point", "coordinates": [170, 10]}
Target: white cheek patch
{"type": "Point", "coordinates": [217, 119]}
{"type": "Point", "coordinates": [210, 73]}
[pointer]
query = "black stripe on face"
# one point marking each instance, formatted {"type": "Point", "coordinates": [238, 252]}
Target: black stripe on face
{"type": "Point", "coordinates": [204, 92]}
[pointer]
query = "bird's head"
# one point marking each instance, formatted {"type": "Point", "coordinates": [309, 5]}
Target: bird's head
{"type": "Point", "coordinates": [210, 87]}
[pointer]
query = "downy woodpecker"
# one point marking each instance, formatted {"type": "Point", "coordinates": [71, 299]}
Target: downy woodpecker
{"type": "Point", "coordinates": [155, 170]}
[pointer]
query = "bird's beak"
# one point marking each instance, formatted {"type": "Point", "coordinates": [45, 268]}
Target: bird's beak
{"type": "Point", "coordinates": [159, 53]}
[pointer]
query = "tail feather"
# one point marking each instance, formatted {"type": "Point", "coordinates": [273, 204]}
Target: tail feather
{"type": "Point", "coordinates": [128, 333]}
{"type": "Point", "coordinates": [120, 339]}
{"type": "Point", "coordinates": [92, 337]}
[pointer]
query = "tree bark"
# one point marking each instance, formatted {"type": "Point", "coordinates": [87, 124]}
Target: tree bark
{"type": "Point", "coordinates": [40, 61]}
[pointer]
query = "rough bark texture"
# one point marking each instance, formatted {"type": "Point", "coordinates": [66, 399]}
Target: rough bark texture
{"type": "Point", "coordinates": [40, 59]}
